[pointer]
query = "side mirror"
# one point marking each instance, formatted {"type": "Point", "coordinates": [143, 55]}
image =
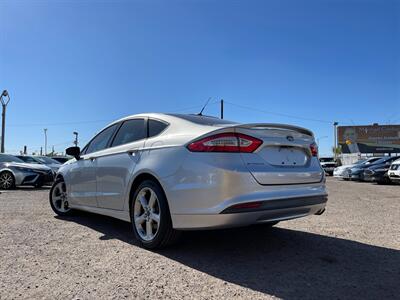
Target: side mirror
{"type": "Point", "coordinates": [74, 151]}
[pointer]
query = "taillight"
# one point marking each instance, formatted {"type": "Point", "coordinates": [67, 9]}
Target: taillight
{"type": "Point", "coordinates": [314, 149]}
{"type": "Point", "coordinates": [226, 142]}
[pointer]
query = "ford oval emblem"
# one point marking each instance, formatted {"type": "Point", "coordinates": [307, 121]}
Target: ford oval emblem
{"type": "Point", "coordinates": [290, 138]}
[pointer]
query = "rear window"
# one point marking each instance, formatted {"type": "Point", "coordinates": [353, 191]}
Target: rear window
{"type": "Point", "coordinates": [203, 120]}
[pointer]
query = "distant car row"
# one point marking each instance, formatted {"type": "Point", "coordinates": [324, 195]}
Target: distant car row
{"type": "Point", "coordinates": [25, 170]}
{"type": "Point", "coordinates": [375, 169]}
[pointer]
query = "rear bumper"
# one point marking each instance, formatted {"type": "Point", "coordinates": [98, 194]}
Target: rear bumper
{"type": "Point", "coordinates": [270, 211]}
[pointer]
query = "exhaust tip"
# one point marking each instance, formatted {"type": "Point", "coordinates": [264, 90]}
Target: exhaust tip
{"type": "Point", "coordinates": [320, 212]}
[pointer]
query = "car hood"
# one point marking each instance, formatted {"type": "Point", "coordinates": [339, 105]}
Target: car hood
{"type": "Point", "coordinates": [28, 166]}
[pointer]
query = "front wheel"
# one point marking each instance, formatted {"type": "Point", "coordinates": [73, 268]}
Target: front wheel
{"type": "Point", "coordinates": [59, 199]}
{"type": "Point", "coordinates": [7, 180]}
{"type": "Point", "coordinates": [150, 216]}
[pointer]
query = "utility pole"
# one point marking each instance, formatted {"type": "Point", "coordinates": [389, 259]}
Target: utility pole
{"type": "Point", "coordinates": [45, 141]}
{"type": "Point", "coordinates": [222, 108]}
{"type": "Point", "coordinates": [335, 124]}
{"type": "Point", "coordinates": [25, 150]}
{"type": "Point", "coordinates": [76, 138]}
{"type": "Point", "coordinates": [3, 117]}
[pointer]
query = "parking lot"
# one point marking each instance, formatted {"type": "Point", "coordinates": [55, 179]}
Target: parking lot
{"type": "Point", "coordinates": [353, 250]}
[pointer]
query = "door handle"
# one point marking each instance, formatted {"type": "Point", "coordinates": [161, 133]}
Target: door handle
{"type": "Point", "coordinates": [132, 152]}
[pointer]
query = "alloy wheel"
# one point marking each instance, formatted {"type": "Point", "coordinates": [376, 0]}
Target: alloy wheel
{"type": "Point", "coordinates": [59, 197]}
{"type": "Point", "coordinates": [6, 180]}
{"type": "Point", "coordinates": [147, 214]}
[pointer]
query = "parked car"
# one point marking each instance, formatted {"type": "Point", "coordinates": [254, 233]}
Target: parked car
{"type": "Point", "coordinates": [394, 171]}
{"type": "Point", "coordinates": [171, 172]}
{"type": "Point", "coordinates": [43, 160]}
{"type": "Point", "coordinates": [379, 172]}
{"type": "Point", "coordinates": [339, 171]}
{"type": "Point", "coordinates": [357, 172]}
{"type": "Point", "coordinates": [61, 159]}
{"type": "Point", "coordinates": [328, 164]}
{"type": "Point", "coordinates": [15, 172]}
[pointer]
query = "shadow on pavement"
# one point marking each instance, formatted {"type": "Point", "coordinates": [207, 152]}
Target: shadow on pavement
{"type": "Point", "coordinates": [285, 263]}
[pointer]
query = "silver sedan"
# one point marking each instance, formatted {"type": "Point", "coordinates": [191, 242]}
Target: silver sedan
{"type": "Point", "coordinates": [168, 172]}
{"type": "Point", "coordinates": [15, 172]}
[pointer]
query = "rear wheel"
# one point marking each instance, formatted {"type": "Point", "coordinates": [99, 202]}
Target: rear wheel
{"type": "Point", "coordinates": [59, 198]}
{"type": "Point", "coordinates": [7, 180]}
{"type": "Point", "coordinates": [150, 216]}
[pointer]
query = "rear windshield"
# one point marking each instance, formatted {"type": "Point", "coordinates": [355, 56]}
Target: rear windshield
{"type": "Point", "coordinates": [203, 120]}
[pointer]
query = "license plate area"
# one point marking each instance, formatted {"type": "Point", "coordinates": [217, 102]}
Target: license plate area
{"type": "Point", "coordinates": [284, 156]}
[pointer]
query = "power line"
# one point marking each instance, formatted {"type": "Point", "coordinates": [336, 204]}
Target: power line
{"type": "Point", "coordinates": [59, 124]}
{"type": "Point", "coordinates": [278, 114]}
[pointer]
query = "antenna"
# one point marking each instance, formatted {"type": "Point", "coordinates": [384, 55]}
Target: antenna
{"type": "Point", "coordinates": [201, 112]}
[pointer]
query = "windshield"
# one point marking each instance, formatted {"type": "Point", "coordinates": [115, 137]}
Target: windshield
{"type": "Point", "coordinates": [361, 161]}
{"type": "Point", "coordinates": [29, 159]}
{"type": "Point", "coordinates": [381, 160]}
{"type": "Point", "coordinates": [47, 160]}
{"type": "Point", "coordinates": [9, 158]}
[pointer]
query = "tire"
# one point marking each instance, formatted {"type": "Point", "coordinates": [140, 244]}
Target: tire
{"type": "Point", "coordinates": [151, 218]}
{"type": "Point", "coordinates": [59, 198]}
{"type": "Point", "coordinates": [7, 180]}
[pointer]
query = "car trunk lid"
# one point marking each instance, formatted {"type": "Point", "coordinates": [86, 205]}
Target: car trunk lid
{"type": "Point", "coordinates": [284, 157]}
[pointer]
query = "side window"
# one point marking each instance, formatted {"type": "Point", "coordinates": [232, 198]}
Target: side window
{"type": "Point", "coordinates": [130, 131]}
{"type": "Point", "coordinates": [156, 127]}
{"type": "Point", "coordinates": [101, 140]}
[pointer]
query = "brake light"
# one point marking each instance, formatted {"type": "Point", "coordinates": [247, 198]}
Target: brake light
{"type": "Point", "coordinates": [226, 142]}
{"type": "Point", "coordinates": [314, 149]}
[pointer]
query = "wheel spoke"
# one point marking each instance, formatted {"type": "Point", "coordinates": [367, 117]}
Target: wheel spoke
{"type": "Point", "coordinates": [143, 201]}
{"type": "Point", "coordinates": [149, 230]}
{"type": "Point", "coordinates": [153, 199]}
{"type": "Point", "coordinates": [155, 217]}
{"type": "Point", "coordinates": [140, 219]}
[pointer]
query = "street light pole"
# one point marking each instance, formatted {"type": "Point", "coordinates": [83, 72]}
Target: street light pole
{"type": "Point", "coordinates": [334, 139]}
{"type": "Point", "coordinates": [3, 117]}
{"type": "Point", "coordinates": [76, 138]}
{"type": "Point", "coordinates": [45, 141]}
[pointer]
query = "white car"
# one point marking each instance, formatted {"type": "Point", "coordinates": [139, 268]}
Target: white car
{"type": "Point", "coordinates": [394, 171]}
{"type": "Point", "coordinates": [340, 171]}
{"type": "Point", "coordinates": [169, 172]}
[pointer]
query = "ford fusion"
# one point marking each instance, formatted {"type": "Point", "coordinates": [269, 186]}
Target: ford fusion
{"type": "Point", "coordinates": [166, 173]}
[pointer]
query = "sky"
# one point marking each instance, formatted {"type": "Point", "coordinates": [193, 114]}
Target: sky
{"type": "Point", "coordinates": [78, 65]}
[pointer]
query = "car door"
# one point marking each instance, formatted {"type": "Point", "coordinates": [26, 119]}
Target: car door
{"type": "Point", "coordinates": [116, 164]}
{"type": "Point", "coordinates": [82, 176]}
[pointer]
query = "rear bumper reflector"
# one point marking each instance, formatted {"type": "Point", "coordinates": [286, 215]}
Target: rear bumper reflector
{"type": "Point", "coordinates": [276, 204]}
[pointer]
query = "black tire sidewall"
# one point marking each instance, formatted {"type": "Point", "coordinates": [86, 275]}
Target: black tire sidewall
{"type": "Point", "coordinates": [165, 218]}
